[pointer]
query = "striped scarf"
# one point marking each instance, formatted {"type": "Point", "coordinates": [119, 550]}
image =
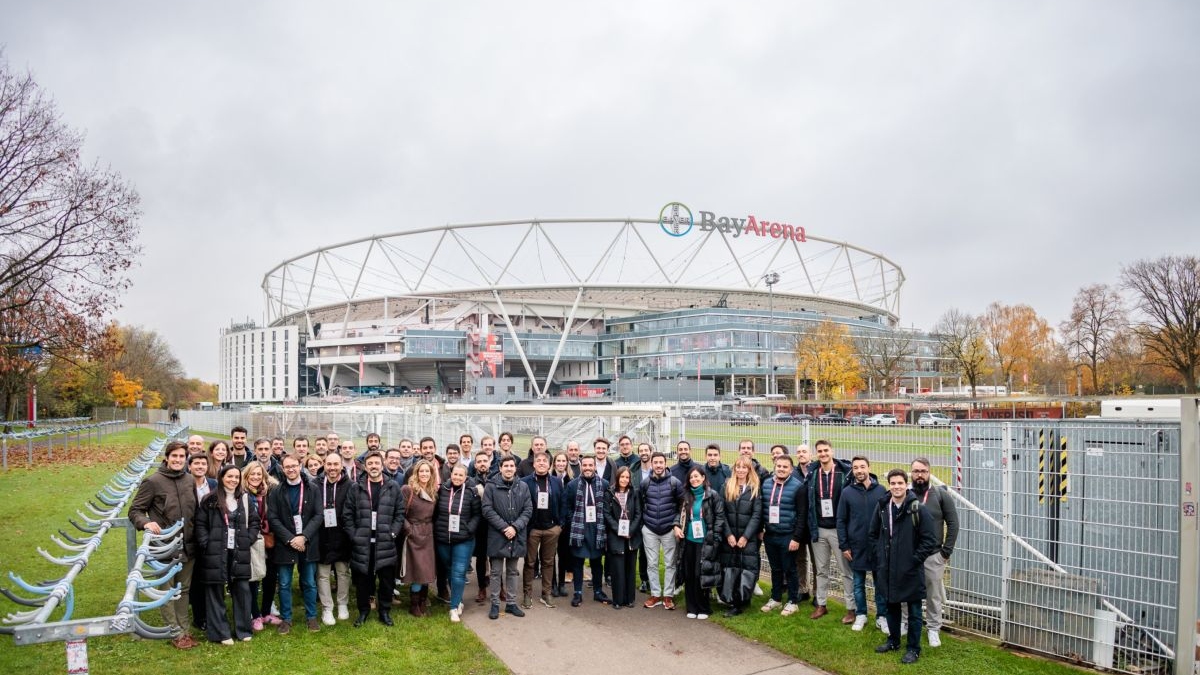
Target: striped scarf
{"type": "Point", "coordinates": [578, 525]}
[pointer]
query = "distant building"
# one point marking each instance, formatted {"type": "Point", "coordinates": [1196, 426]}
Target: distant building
{"type": "Point", "coordinates": [259, 365]}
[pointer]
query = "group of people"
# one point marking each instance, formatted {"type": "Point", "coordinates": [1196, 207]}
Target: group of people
{"type": "Point", "coordinates": [253, 516]}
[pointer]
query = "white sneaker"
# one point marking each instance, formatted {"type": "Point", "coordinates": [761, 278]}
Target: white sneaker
{"type": "Point", "coordinates": [789, 609]}
{"type": "Point", "coordinates": [860, 622]}
{"type": "Point", "coordinates": [903, 628]}
{"type": "Point", "coordinates": [691, 616]}
{"type": "Point", "coordinates": [454, 615]}
{"type": "Point", "coordinates": [327, 617]}
{"type": "Point", "coordinates": [935, 639]}
{"type": "Point", "coordinates": [702, 617]}
{"type": "Point", "coordinates": [758, 591]}
{"type": "Point", "coordinates": [343, 613]}
{"type": "Point", "coordinates": [881, 624]}
{"type": "Point", "coordinates": [772, 605]}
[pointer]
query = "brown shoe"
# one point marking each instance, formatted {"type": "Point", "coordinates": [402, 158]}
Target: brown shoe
{"type": "Point", "coordinates": [184, 641]}
{"type": "Point", "coordinates": [669, 603]}
{"type": "Point", "coordinates": [849, 617]}
{"type": "Point", "coordinates": [819, 612]}
{"type": "Point", "coordinates": [314, 625]}
{"type": "Point", "coordinates": [652, 602]}
{"type": "Point", "coordinates": [285, 627]}
{"type": "Point", "coordinates": [481, 596]}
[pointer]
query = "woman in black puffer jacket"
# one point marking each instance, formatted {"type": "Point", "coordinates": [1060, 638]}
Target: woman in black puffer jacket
{"type": "Point", "coordinates": [227, 525]}
{"type": "Point", "coordinates": [701, 528]}
{"type": "Point", "coordinates": [739, 550]}
{"type": "Point", "coordinates": [455, 538]}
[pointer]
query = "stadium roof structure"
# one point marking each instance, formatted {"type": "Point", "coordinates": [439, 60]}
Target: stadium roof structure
{"type": "Point", "coordinates": [622, 263]}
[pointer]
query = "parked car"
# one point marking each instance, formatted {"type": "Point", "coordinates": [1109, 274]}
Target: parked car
{"type": "Point", "coordinates": [880, 419]}
{"type": "Point", "coordinates": [934, 419]}
{"type": "Point", "coordinates": [802, 417]}
{"type": "Point", "coordinates": [741, 418]}
{"type": "Point", "coordinates": [783, 417]}
{"type": "Point", "coordinates": [832, 418]}
{"type": "Point", "coordinates": [857, 420]}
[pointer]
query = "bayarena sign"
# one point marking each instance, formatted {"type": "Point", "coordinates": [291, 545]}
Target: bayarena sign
{"type": "Point", "coordinates": [676, 220]}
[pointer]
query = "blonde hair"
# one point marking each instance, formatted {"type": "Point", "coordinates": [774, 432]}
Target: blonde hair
{"type": "Point", "coordinates": [414, 483]}
{"type": "Point", "coordinates": [267, 483]}
{"type": "Point", "coordinates": [732, 490]}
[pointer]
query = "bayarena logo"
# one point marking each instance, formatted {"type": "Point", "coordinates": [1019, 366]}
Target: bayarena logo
{"type": "Point", "coordinates": [676, 220]}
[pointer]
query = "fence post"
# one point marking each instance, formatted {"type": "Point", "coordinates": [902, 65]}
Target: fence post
{"type": "Point", "coordinates": [1189, 538]}
{"type": "Point", "coordinates": [1006, 521]}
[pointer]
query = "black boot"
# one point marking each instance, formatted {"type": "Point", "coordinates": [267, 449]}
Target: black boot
{"type": "Point", "coordinates": [385, 617]}
{"type": "Point", "coordinates": [362, 618]}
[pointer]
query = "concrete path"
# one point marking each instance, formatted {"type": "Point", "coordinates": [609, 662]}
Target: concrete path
{"type": "Point", "coordinates": [650, 641]}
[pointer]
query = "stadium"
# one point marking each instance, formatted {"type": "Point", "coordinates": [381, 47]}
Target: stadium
{"type": "Point", "coordinates": [592, 309]}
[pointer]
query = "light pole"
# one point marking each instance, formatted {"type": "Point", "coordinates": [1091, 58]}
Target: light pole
{"type": "Point", "coordinates": [771, 278]}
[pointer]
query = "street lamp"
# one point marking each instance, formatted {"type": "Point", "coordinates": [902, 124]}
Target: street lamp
{"type": "Point", "coordinates": [771, 278]}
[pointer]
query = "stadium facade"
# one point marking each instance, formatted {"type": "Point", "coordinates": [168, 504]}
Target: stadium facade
{"type": "Point", "coordinates": [525, 310]}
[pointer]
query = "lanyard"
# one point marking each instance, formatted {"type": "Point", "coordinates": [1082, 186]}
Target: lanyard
{"type": "Point", "coordinates": [821, 483]}
{"type": "Point", "coordinates": [589, 496]}
{"type": "Point", "coordinates": [370, 497]}
{"type": "Point", "coordinates": [925, 497]}
{"type": "Point", "coordinates": [300, 503]}
{"type": "Point", "coordinates": [325, 493]}
{"type": "Point", "coordinates": [623, 502]}
{"type": "Point", "coordinates": [776, 488]}
{"type": "Point", "coordinates": [461, 497]}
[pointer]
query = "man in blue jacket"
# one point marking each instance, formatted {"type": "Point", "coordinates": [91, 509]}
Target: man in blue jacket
{"type": "Point", "coordinates": [545, 526]}
{"type": "Point", "coordinates": [860, 500]}
{"type": "Point", "coordinates": [661, 496]}
{"type": "Point", "coordinates": [785, 505]}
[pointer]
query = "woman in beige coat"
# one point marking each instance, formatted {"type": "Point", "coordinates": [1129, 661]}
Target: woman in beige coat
{"type": "Point", "coordinates": [418, 567]}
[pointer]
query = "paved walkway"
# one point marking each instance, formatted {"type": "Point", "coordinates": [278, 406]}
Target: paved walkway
{"type": "Point", "coordinates": [562, 640]}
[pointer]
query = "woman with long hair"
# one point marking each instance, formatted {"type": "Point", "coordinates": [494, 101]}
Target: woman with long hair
{"type": "Point", "coordinates": [623, 518]}
{"type": "Point", "coordinates": [459, 513]}
{"type": "Point", "coordinates": [418, 566]}
{"type": "Point", "coordinates": [227, 525]}
{"type": "Point", "coordinates": [565, 561]}
{"type": "Point", "coordinates": [257, 483]}
{"type": "Point", "coordinates": [700, 529]}
{"type": "Point", "coordinates": [739, 551]}
{"type": "Point", "coordinates": [218, 457]}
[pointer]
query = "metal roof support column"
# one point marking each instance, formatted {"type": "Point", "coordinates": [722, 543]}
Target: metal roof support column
{"type": "Point", "coordinates": [516, 341]}
{"type": "Point", "coordinates": [562, 340]}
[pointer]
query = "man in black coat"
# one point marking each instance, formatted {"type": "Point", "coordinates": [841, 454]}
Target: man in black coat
{"type": "Point", "coordinates": [902, 537]}
{"type": "Point", "coordinates": [373, 518]}
{"type": "Point", "coordinates": [507, 508]}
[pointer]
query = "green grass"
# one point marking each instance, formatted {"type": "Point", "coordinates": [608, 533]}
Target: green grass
{"type": "Point", "coordinates": [832, 646]}
{"type": "Point", "coordinates": [38, 501]}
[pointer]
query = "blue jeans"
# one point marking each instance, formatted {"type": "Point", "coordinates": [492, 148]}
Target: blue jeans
{"type": "Point", "coordinates": [783, 568]}
{"type": "Point", "coordinates": [456, 557]}
{"type": "Point", "coordinates": [308, 589]}
{"type": "Point", "coordinates": [860, 595]}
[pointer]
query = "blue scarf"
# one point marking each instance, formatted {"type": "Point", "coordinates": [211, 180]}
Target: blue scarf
{"type": "Point", "coordinates": [578, 525]}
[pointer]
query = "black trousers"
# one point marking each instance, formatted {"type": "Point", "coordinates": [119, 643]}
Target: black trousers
{"type": "Point", "coordinates": [566, 561]}
{"type": "Point", "coordinates": [270, 586]}
{"type": "Point", "coordinates": [624, 576]}
{"type": "Point", "coordinates": [217, 628]}
{"type": "Point", "coordinates": [481, 557]}
{"type": "Point", "coordinates": [365, 584]}
{"type": "Point", "coordinates": [644, 573]}
{"type": "Point", "coordinates": [697, 601]}
{"type": "Point", "coordinates": [197, 600]}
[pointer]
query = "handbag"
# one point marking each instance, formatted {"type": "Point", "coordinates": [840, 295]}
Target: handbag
{"type": "Point", "coordinates": [258, 550]}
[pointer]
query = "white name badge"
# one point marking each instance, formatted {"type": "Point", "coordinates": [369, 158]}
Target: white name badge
{"type": "Point", "coordinates": [697, 529]}
{"type": "Point", "coordinates": [297, 525]}
{"type": "Point", "coordinates": [623, 527]}
{"type": "Point", "coordinates": [229, 534]}
{"type": "Point", "coordinates": [826, 508]}
{"type": "Point", "coordinates": [330, 517]}
{"type": "Point", "coordinates": [589, 514]}
{"type": "Point", "coordinates": [454, 523]}
{"type": "Point", "coordinates": [374, 520]}
{"type": "Point", "coordinates": [543, 500]}
{"type": "Point", "coordinates": [773, 515]}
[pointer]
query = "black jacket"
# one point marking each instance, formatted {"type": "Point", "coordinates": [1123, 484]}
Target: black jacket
{"type": "Point", "coordinates": [506, 504]}
{"type": "Point", "coordinates": [612, 518]}
{"type": "Point", "coordinates": [335, 544]}
{"type": "Point", "coordinates": [712, 511]}
{"type": "Point", "coordinates": [470, 513]}
{"type": "Point", "coordinates": [211, 538]}
{"type": "Point", "coordinates": [900, 546]}
{"type": "Point", "coordinates": [389, 524]}
{"type": "Point", "coordinates": [743, 518]}
{"type": "Point", "coordinates": [279, 515]}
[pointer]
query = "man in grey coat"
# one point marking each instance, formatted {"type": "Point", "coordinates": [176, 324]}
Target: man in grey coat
{"type": "Point", "coordinates": [507, 508]}
{"type": "Point", "coordinates": [944, 514]}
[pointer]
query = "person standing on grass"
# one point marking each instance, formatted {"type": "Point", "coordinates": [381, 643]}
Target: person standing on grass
{"type": "Point", "coordinates": [826, 481]}
{"type": "Point", "coordinates": [640, 476]}
{"type": "Point", "coordinates": [700, 530]}
{"type": "Point", "coordinates": [746, 449]}
{"type": "Point", "coordinates": [507, 508]}
{"type": "Point", "coordinates": [373, 519]}
{"type": "Point", "coordinates": [334, 561]}
{"type": "Point", "coordinates": [419, 561]}
{"type": "Point", "coordinates": [459, 514]}
{"type": "Point", "coordinates": [743, 519]}
{"type": "Point", "coordinates": [944, 515]}
{"type": "Point", "coordinates": [805, 554]}
{"type": "Point", "coordinates": [237, 446]}
{"type": "Point", "coordinates": [218, 456]}
{"type": "Point", "coordinates": [623, 521]}
{"type": "Point", "coordinates": [902, 537]}
{"type": "Point", "coordinates": [683, 461]}
{"type": "Point", "coordinates": [195, 445]}
{"type": "Point", "coordinates": [257, 483]}
{"type": "Point", "coordinates": [785, 503]}
{"type": "Point", "coordinates": [715, 471]}
{"type": "Point", "coordinates": [164, 498]}
{"type": "Point", "coordinates": [545, 527]}
{"type": "Point", "coordinates": [661, 496]}
{"type": "Point", "coordinates": [227, 526]}
{"type": "Point", "coordinates": [295, 515]}
{"type": "Point", "coordinates": [626, 456]}
{"type": "Point", "coordinates": [564, 562]}
{"type": "Point", "coordinates": [855, 510]}
{"type": "Point", "coordinates": [204, 486]}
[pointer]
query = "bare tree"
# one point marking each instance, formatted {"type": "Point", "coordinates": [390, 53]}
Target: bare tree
{"type": "Point", "coordinates": [885, 357]}
{"type": "Point", "coordinates": [962, 340]}
{"type": "Point", "coordinates": [68, 230]}
{"type": "Point", "coordinates": [1167, 293]}
{"type": "Point", "coordinates": [1097, 316]}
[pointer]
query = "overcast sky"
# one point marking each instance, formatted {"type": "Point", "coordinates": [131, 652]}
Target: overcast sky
{"type": "Point", "coordinates": [1009, 151]}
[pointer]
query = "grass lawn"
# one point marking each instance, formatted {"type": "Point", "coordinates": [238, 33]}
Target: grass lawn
{"type": "Point", "coordinates": [832, 646]}
{"type": "Point", "coordinates": [37, 502]}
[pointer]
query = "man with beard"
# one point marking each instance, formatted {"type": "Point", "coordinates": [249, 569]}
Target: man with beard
{"type": "Point", "coordinates": [824, 492]}
{"type": "Point", "coordinates": [507, 508]}
{"type": "Point", "coordinates": [373, 518]}
{"type": "Point", "coordinates": [334, 544]}
{"type": "Point", "coordinates": [902, 538]}
{"type": "Point", "coordinates": [545, 527]}
{"type": "Point", "coordinates": [584, 505]}
{"type": "Point", "coordinates": [855, 511]}
{"type": "Point", "coordinates": [626, 456]}
{"type": "Point", "coordinates": [661, 496]}
{"type": "Point", "coordinates": [237, 446]}
{"type": "Point", "coordinates": [683, 463]}
{"type": "Point", "coordinates": [944, 516]}
{"type": "Point", "coordinates": [715, 471]}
